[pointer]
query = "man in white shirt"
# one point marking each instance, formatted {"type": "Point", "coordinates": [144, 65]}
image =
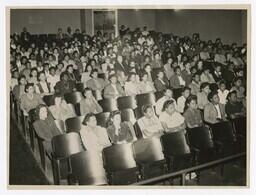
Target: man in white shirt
{"type": "Point", "coordinates": [168, 95]}
{"type": "Point", "coordinates": [94, 138]}
{"type": "Point", "coordinates": [182, 99]}
{"type": "Point", "coordinates": [223, 92]}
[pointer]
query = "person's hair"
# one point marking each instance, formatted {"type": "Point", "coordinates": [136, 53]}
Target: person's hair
{"type": "Point", "coordinates": [130, 75]}
{"type": "Point", "coordinates": [93, 71]}
{"type": "Point", "coordinates": [203, 85]}
{"type": "Point", "coordinates": [185, 88]}
{"type": "Point", "coordinates": [57, 95]}
{"type": "Point", "coordinates": [87, 67]}
{"type": "Point", "coordinates": [111, 76]}
{"type": "Point", "coordinates": [176, 68]}
{"type": "Point", "coordinates": [111, 117]}
{"type": "Point", "coordinates": [62, 75]}
{"type": "Point", "coordinates": [166, 104]}
{"type": "Point", "coordinates": [38, 108]}
{"type": "Point", "coordinates": [142, 74]}
{"type": "Point", "coordinates": [236, 79]}
{"type": "Point", "coordinates": [87, 118]}
{"type": "Point", "coordinates": [222, 82]}
{"type": "Point", "coordinates": [21, 77]}
{"type": "Point", "coordinates": [39, 74]}
{"type": "Point", "coordinates": [28, 85]}
{"type": "Point", "coordinates": [31, 70]}
{"type": "Point", "coordinates": [85, 90]}
{"type": "Point", "coordinates": [159, 72]}
{"type": "Point", "coordinates": [70, 65]}
{"type": "Point", "coordinates": [189, 100]}
{"type": "Point", "coordinates": [230, 93]}
{"type": "Point", "coordinates": [45, 64]}
{"type": "Point", "coordinates": [165, 90]}
{"type": "Point", "coordinates": [194, 75]}
{"type": "Point", "coordinates": [145, 108]}
{"type": "Point", "coordinates": [211, 94]}
{"type": "Point", "coordinates": [52, 68]}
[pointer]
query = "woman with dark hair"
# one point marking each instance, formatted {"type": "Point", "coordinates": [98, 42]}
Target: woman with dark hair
{"type": "Point", "coordinates": [149, 124]}
{"type": "Point", "coordinates": [119, 132]}
{"type": "Point", "coordinates": [171, 119]}
{"type": "Point", "coordinates": [86, 76]}
{"type": "Point", "coordinates": [19, 89]}
{"type": "Point", "coordinates": [131, 86]}
{"type": "Point", "coordinates": [145, 85]}
{"type": "Point", "coordinates": [214, 111]}
{"type": "Point", "coordinates": [60, 110]}
{"type": "Point", "coordinates": [70, 73]}
{"type": "Point", "coordinates": [161, 83]}
{"type": "Point", "coordinates": [195, 84]}
{"type": "Point", "coordinates": [45, 126]}
{"type": "Point", "coordinates": [238, 87]}
{"type": "Point", "coordinates": [64, 85]}
{"type": "Point", "coordinates": [192, 115]}
{"type": "Point", "coordinates": [89, 104]}
{"type": "Point", "coordinates": [33, 76]}
{"type": "Point", "coordinates": [176, 81]}
{"type": "Point", "coordinates": [202, 99]}
{"type": "Point", "coordinates": [95, 83]}
{"type": "Point", "coordinates": [43, 87]}
{"type": "Point", "coordinates": [30, 99]}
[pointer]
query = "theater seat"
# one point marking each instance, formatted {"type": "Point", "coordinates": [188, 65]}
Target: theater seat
{"type": "Point", "coordinates": [49, 100]}
{"type": "Point", "coordinates": [102, 118]}
{"type": "Point", "coordinates": [74, 98]}
{"type": "Point", "coordinates": [146, 98]}
{"type": "Point", "coordinates": [126, 102]}
{"type": "Point", "coordinates": [128, 115]}
{"type": "Point", "coordinates": [74, 124]}
{"type": "Point", "coordinates": [108, 105]}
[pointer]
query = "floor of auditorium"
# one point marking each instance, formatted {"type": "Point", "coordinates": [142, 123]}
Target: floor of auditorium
{"type": "Point", "coordinates": [25, 170]}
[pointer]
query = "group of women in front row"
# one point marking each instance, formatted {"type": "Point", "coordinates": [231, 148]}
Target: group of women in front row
{"type": "Point", "coordinates": [166, 120]}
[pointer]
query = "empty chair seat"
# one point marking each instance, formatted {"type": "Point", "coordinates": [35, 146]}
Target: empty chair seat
{"type": "Point", "coordinates": [108, 105]}
{"type": "Point", "coordinates": [74, 124]}
{"type": "Point", "coordinates": [126, 102]}
{"type": "Point", "coordinates": [149, 156]}
{"type": "Point", "coordinates": [120, 164]}
{"type": "Point", "coordinates": [49, 100]}
{"type": "Point", "coordinates": [146, 98]}
{"type": "Point", "coordinates": [74, 98]}
{"type": "Point", "coordinates": [87, 168]}
{"type": "Point", "coordinates": [128, 115]}
{"type": "Point", "coordinates": [102, 118]}
{"type": "Point", "coordinates": [176, 151]}
{"type": "Point", "coordinates": [63, 147]}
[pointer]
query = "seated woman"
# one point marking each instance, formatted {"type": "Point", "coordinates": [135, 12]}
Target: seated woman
{"type": "Point", "coordinates": [60, 110]}
{"type": "Point", "coordinates": [148, 70]}
{"type": "Point", "coordinates": [89, 104]}
{"type": "Point", "coordinates": [30, 99]}
{"type": "Point", "coordinates": [19, 89]}
{"type": "Point", "coordinates": [161, 83]}
{"type": "Point", "coordinates": [186, 73]}
{"type": "Point", "coordinates": [131, 86]}
{"type": "Point", "coordinates": [168, 95]}
{"type": "Point", "coordinates": [94, 138]}
{"type": "Point", "coordinates": [86, 76]}
{"type": "Point", "coordinates": [95, 83]}
{"type": "Point", "coordinates": [214, 111]}
{"type": "Point", "coordinates": [70, 73]}
{"type": "Point", "coordinates": [145, 85]}
{"type": "Point", "coordinates": [45, 127]}
{"type": "Point", "coordinates": [240, 90]}
{"type": "Point", "coordinates": [195, 84]}
{"type": "Point", "coordinates": [33, 76]}
{"type": "Point", "coordinates": [171, 120]}
{"type": "Point", "coordinates": [206, 76]}
{"type": "Point", "coordinates": [176, 81]}
{"type": "Point", "coordinates": [149, 124]}
{"type": "Point", "coordinates": [192, 115]}
{"type": "Point", "coordinates": [43, 88]}
{"type": "Point", "coordinates": [202, 99]}
{"type": "Point", "coordinates": [182, 99]}
{"type": "Point", "coordinates": [119, 132]}
{"type": "Point", "coordinates": [113, 89]}
{"type": "Point", "coordinates": [233, 107]}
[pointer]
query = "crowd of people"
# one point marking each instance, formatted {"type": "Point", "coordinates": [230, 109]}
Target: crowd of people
{"type": "Point", "coordinates": [210, 74]}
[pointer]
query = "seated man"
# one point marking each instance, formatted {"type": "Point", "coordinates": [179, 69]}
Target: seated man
{"type": "Point", "coordinates": [64, 85]}
{"type": "Point", "coordinates": [233, 107]}
{"type": "Point", "coordinates": [149, 123]}
{"type": "Point", "coordinates": [93, 137]}
{"type": "Point", "coordinates": [113, 89]}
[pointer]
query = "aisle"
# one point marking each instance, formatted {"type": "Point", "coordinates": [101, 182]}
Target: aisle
{"type": "Point", "coordinates": [23, 169]}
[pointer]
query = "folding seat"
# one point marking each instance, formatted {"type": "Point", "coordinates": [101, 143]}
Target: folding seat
{"type": "Point", "coordinates": [200, 139]}
{"type": "Point", "coordinates": [80, 87]}
{"type": "Point", "coordinates": [74, 98]}
{"type": "Point", "coordinates": [74, 124]}
{"type": "Point", "coordinates": [177, 151]}
{"type": "Point", "coordinates": [120, 164]}
{"type": "Point", "coordinates": [48, 100]}
{"type": "Point", "coordinates": [61, 125]}
{"type": "Point", "coordinates": [128, 115]}
{"type": "Point", "coordinates": [240, 126]}
{"type": "Point", "coordinates": [102, 118]}
{"type": "Point", "coordinates": [150, 158]}
{"type": "Point", "coordinates": [177, 93]}
{"type": "Point", "coordinates": [126, 102]}
{"type": "Point", "coordinates": [108, 105]}
{"type": "Point", "coordinates": [224, 136]}
{"type": "Point", "coordinates": [63, 147]}
{"type": "Point", "coordinates": [87, 168]}
{"type": "Point", "coordinates": [146, 98]}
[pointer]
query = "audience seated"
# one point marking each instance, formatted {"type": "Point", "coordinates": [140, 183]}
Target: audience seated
{"type": "Point", "coordinates": [176, 81]}
{"type": "Point", "coordinates": [206, 76]}
{"type": "Point", "coordinates": [131, 86]}
{"type": "Point", "coordinates": [182, 99]}
{"type": "Point", "coordinates": [64, 85]}
{"type": "Point", "coordinates": [119, 132]}
{"type": "Point", "coordinates": [222, 92]}
{"type": "Point", "coordinates": [234, 108]}
{"type": "Point", "coordinates": [161, 83]}
{"type": "Point", "coordinates": [202, 96]}
{"type": "Point", "coordinates": [195, 84]}
{"type": "Point", "coordinates": [113, 89]}
{"type": "Point", "coordinates": [168, 95]}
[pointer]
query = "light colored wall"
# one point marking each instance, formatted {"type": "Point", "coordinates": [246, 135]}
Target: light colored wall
{"type": "Point", "coordinates": [211, 24]}
{"type": "Point", "coordinates": [44, 21]}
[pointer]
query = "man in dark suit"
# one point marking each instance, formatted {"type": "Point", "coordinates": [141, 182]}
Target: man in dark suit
{"type": "Point", "coordinates": [120, 66]}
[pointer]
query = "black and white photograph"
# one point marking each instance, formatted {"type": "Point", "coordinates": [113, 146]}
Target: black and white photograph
{"type": "Point", "coordinates": [119, 96]}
